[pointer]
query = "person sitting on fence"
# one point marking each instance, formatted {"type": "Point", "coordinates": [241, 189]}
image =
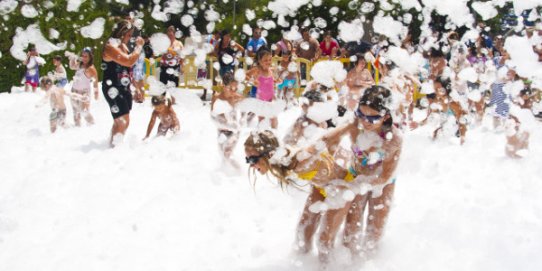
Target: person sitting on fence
{"type": "Point", "coordinates": [329, 46]}
{"type": "Point", "coordinates": [163, 110]}
{"type": "Point", "coordinates": [256, 42]}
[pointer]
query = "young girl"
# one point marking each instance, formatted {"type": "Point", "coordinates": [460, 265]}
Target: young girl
{"type": "Point", "coordinates": [163, 110]}
{"type": "Point", "coordinates": [263, 77]}
{"type": "Point", "coordinates": [56, 98]}
{"type": "Point", "coordinates": [329, 186]}
{"type": "Point", "coordinates": [85, 79]}
{"type": "Point", "coordinates": [32, 75]}
{"type": "Point", "coordinates": [59, 74]}
{"type": "Point", "coordinates": [289, 72]}
{"type": "Point", "coordinates": [447, 114]}
{"type": "Point", "coordinates": [376, 148]}
{"type": "Point", "coordinates": [226, 117]}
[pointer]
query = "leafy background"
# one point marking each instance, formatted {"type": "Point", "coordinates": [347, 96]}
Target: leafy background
{"type": "Point", "coordinates": [69, 23]}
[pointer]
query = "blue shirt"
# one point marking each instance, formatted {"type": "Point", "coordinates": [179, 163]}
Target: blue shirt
{"type": "Point", "coordinates": [256, 44]}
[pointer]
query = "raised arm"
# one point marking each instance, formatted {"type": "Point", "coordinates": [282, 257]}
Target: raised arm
{"type": "Point", "coordinates": [113, 53]}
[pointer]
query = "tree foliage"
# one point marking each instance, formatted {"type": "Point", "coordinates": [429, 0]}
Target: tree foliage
{"type": "Point", "coordinates": [53, 14]}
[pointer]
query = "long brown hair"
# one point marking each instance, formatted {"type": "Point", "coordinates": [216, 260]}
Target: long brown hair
{"type": "Point", "coordinates": [87, 50]}
{"type": "Point", "coordinates": [266, 143]}
{"type": "Point", "coordinates": [121, 28]}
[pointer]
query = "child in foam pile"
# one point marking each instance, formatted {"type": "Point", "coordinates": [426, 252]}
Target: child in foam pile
{"type": "Point", "coordinates": [56, 98]}
{"type": "Point", "coordinates": [163, 110]}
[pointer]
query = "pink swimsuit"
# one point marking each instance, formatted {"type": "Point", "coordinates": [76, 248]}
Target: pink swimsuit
{"type": "Point", "coordinates": [266, 88]}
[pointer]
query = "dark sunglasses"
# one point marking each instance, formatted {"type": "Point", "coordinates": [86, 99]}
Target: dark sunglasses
{"type": "Point", "coordinates": [253, 159]}
{"type": "Point", "coordinates": [87, 49]}
{"type": "Point", "coordinates": [372, 119]}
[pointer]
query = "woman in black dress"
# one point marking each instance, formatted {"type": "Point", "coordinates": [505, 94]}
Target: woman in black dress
{"type": "Point", "coordinates": [116, 64]}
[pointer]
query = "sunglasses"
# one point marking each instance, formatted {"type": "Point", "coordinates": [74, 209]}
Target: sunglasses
{"type": "Point", "coordinates": [87, 49]}
{"type": "Point", "coordinates": [253, 159]}
{"type": "Point", "coordinates": [372, 119]}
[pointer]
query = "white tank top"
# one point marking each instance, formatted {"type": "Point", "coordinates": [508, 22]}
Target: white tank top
{"type": "Point", "coordinates": [80, 80]}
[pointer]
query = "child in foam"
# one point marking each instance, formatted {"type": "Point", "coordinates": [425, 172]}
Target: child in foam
{"type": "Point", "coordinates": [289, 72]}
{"type": "Point", "coordinates": [32, 75]}
{"type": "Point", "coordinates": [163, 110]}
{"type": "Point", "coordinates": [226, 116]}
{"type": "Point", "coordinates": [375, 145]}
{"type": "Point", "coordinates": [263, 76]}
{"type": "Point", "coordinates": [56, 98]}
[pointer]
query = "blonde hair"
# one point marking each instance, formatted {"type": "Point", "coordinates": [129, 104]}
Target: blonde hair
{"type": "Point", "coordinates": [266, 143]}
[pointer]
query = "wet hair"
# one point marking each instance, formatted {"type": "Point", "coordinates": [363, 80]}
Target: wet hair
{"type": "Point", "coordinates": [445, 83]}
{"type": "Point", "coordinates": [162, 99]}
{"type": "Point", "coordinates": [262, 51]}
{"type": "Point", "coordinates": [121, 28]}
{"type": "Point", "coordinates": [378, 98]}
{"type": "Point", "coordinates": [222, 34]}
{"type": "Point", "coordinates": [57, 58]}
{"type": "Point", "coordinates": [266, 143]}
{"type": "Point", "coordinates": [158, 100]}
{"type": "Point", "coordinates": [228, 78]}
{"type": "Point", "coordinates": [88, 51]}
{"type": "Point", "coordinates": [360, 56]}
{"type": "Point", "coordinates": [436, 53]}
{"type": "Point", "coordinates": [313, 96]}
{"type": "Point", "coordinates": [45, 81]}
{"type": "Point", "coordinates": [453, 36]}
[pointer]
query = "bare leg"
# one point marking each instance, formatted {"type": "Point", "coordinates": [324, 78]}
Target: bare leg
{"type": "Point", "coordinates": [274, 123]}
{"type": "Point", "coordinates": [120, 125]}
{"type": "Point", "coordinates": [76, 106]}
{"type": "Point", "coordinates": [379, 209]}
{"type": "Point", "coordinates": [331, 224]}
{"type": "Point", "coordinates": [354, 224]}
{"type": "Point", "coordinates": [308, 223]}
{"type": "Point", "coordinates": [53, 125]}
{"type": "Point", "coordinates": [86, 112]}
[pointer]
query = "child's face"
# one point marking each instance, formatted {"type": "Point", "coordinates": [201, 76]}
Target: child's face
{"type": "Point", "coordinates": [256, 160]}
{"type": "Point", "coordinates": [266, 60]}
{"type": "Point", "coordinates": [85, 58]}
{"type": "Point", "coordinates": [56, 62]}
{"type": "Point", "coordinates": [232, 87]}
{"type": "Point", "coordinates": [161, 108]}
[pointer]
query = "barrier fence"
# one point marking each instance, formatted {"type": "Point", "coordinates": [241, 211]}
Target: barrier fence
{"type": "Point", "coordinates": [196, 77]}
